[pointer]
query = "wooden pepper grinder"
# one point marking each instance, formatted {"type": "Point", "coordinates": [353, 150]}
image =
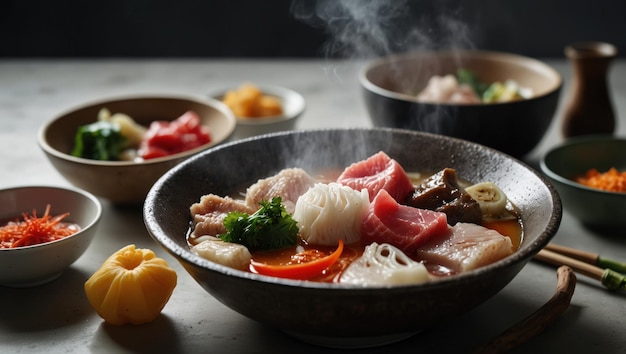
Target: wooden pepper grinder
{"type": "Point", "coordinates": [589, 109]}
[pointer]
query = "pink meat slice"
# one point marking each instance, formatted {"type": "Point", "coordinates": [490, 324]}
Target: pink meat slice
{"type": "Point", "coordinates": [289, 184]}
{"type": "Point", "coordinates": [375, 173]}
{"type": "Point", "coordinates": [404, 227]}
{"type": "Point", "coordinates": [468, 246]}
{"type": "Point", "coordinates": [208, 214]}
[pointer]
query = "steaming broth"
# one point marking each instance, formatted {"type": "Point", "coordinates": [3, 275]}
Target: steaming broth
{"type": "Point", "coordinates": [509, 226]}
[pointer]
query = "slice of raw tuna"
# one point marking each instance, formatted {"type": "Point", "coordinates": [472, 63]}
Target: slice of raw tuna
{"type": "Point", "coordinates": [375, 173]}
{"type": "Point", "coordinates": [404, 227]}
{"type": "Point", "coordinates": [467, 247]}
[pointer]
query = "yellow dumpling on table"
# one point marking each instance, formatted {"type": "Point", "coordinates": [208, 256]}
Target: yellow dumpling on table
{"type": "Point", "coordinates": [132, 286]}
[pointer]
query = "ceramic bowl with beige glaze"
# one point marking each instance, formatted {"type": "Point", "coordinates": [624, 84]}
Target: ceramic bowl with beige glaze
{"type": "Point", "coordinates": [38, 264]}
{"type": "Point", "coordinates": [340, 315]}
{"type": "Point", "coordinates": [390, 86]}
{"type": "Point", "coordinates": [127, 182]}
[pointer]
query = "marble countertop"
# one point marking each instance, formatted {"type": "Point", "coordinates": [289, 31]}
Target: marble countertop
{"type": "Point", "coordinates": [56, 317]}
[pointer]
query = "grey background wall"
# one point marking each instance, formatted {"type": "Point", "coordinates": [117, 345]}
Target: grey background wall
{"type": "Point", "coordinates": [301, 28]}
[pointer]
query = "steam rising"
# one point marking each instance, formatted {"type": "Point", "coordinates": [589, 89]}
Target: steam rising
{"type": "Point", "coordinates": [363, 29]}
{"type": "Point", "coordinates": [366, 29]}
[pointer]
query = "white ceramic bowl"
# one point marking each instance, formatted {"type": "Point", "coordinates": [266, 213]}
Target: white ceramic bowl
{"type": "Point", "coordinates": [293, 105]}
{"type": "Point", "coordinates": [39, 264]}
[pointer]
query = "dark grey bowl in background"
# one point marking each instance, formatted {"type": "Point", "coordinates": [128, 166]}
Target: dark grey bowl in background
{"type": "Point", "coordinates": [592, 207]}
{"type": "Point", "coordinates": [333, 314]}
{"type": "Point", "coordinates": [390, 86]}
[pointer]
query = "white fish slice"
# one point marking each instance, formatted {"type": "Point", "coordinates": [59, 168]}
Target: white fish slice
{"type": "Point", "coordinates": [468, 247]}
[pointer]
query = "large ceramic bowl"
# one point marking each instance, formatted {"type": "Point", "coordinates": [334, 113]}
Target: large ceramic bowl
{"type": "Point", "coordinates": [127, 182]}
{"type": "Point", "coordinates": [391, 84]}
{"type": "Point", "coordinates": [333, 314]}
{"type": "Point", "coordinates": [593, 207]}
{"type": "Point", "coordinates": [38, 264]}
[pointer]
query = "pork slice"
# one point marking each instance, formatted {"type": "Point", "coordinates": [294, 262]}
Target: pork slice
{"type": "Point", "coordinates": [404, 227]}
{"type": "Point", "coordinates": [468, 246]}
{"type": "Point", "coordinates": [208, 214]}
{"type": "Point", "coordinates": [289, 184]}
{"type": "Point", "coordinates": [375, 173]}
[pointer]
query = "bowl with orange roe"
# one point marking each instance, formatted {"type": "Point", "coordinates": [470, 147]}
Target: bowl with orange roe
{"type": "Point", "coordinates": [589, 172]}
{"type": "Point", "coordinates": [43, 231]}
{"type": "Point", "coordinates": [262, 109]}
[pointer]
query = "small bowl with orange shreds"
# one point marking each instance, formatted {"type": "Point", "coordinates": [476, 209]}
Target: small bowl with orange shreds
{"type": "Point", "coordinates": [43, 231]}
{"type": "Point", "coordinates": [262, 109]}
{"type": "Point", "coordinates": [589, 173]}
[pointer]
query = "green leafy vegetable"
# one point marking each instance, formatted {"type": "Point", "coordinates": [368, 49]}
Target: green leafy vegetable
{"type": "Point", "coordinates": [502, 92]}
{"type": "Point", "coordinates": [270, 227]}
{"type": "Point", "coordinates": [468, 77]}
{"type": "Point", "coordinates": [99, 141]}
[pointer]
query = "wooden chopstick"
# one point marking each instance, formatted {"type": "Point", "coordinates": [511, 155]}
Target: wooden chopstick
{"type": "Point", "coordinates": [568, 260]}
{"type": "Point", "coordinates": [537, 321]}
{"type": "Point", "coordinates": [581, 255]}
{"type": "Point", "coordinates": [610, 278]}
{"type": "Point", "coordinates": [588, 257]}
{"type": "Point", "coordinates": [581, 267]}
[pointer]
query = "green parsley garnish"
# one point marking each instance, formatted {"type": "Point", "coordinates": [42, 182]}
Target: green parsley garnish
{"type": "Point", "coordinates": [270, 227]}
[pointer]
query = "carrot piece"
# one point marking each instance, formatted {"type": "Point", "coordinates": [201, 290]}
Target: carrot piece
{"type": "Point", "coordinates": [34, 230]}
{"type": "Point", "coordinates": [302, 271]}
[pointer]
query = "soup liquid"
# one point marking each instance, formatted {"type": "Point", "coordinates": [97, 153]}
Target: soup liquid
{"type": "Point", "coordinates": [510, 226]}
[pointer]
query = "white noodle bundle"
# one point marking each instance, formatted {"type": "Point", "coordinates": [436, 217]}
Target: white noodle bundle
{"type": "Point", "coordinates": [384, 264]}
{"type": "Point", "coordinates": [329, 212]}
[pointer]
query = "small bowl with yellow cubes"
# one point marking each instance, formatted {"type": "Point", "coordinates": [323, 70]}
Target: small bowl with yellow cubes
{"type": "Point", "coordinates": [262, 109]}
